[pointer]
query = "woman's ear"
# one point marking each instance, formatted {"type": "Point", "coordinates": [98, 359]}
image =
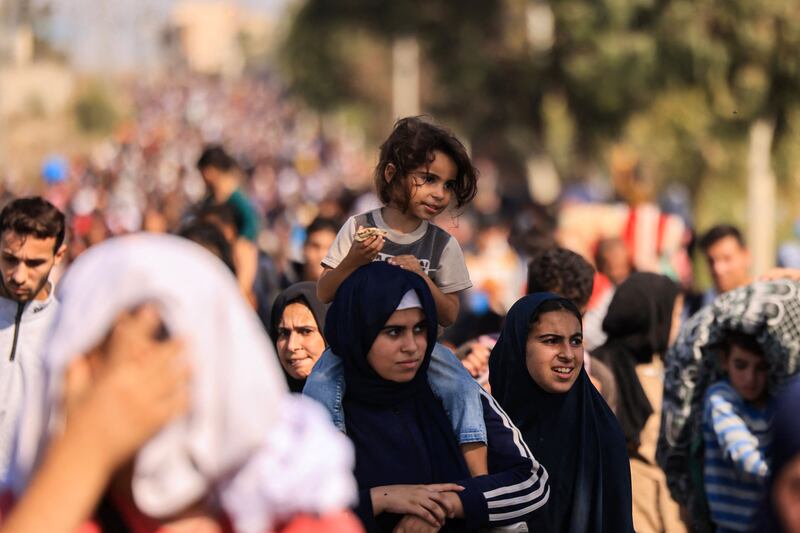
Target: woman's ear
{"type": "Point", "coordinates": [389, 172]}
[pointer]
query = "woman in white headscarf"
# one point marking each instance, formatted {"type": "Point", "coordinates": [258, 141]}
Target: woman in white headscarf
{"type": "Point", "coordinates": [246, 454]}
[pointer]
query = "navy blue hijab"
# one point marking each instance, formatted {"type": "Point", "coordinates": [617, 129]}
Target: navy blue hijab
{"type": "Point", "coordinates": [400, 431]}
{"type": "Point", "coordinates": [785, 447]}
{"type": "Point", "coordinates": [574, 434]}
{"type": "Point", "coordinates": [361, 307]}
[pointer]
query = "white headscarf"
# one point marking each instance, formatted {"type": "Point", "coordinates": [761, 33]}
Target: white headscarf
{"type": "Point", "coordinates": [266, 454]}
{"type": "Point", "coordinates": [410, 300]}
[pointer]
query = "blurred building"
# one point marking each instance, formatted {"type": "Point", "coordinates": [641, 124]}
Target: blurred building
{"type": "Point", "coordinates": [31, 87]}
{"type": "Point", "coordinates": [213, 37]}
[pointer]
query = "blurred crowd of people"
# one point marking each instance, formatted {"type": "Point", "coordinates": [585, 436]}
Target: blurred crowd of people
{"type": "Point", "coordinates": [656, 406]}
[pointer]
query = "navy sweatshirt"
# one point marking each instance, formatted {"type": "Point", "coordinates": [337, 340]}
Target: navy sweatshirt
{"type": "Point", "coordinates": [390, 450]}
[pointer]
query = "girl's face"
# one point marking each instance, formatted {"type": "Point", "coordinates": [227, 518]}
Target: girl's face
{"type": "Point", "coordinates": [554, 351]}
{"type": "Point", "coordinates": [431, 186]}
{"type": "Point", "coordinates": [399, 349]}
{"type": "Point", "coordinates": [299, 342]}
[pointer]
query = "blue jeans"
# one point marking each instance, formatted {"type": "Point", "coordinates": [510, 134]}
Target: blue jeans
{"type": "Point", "coordinates": [449, 381]}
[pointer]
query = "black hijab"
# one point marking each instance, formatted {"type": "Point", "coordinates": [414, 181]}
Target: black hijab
{"type": "Point", "coordinates": [574, 435]}
{"type": "Point", "coordinates": [306, 294]}
{"type": "Point", "coordinates": [638, 325]}
{"type": "Point", "coordinates": [363, 304]}
{"type": "Point", "coordinates": [400, 431]}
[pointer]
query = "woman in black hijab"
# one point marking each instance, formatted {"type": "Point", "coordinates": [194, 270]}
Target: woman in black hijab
{"type": "Point", "coordinates": [642, 319]}
{"type": "Point", "coordinates": [409, 466]}
{"type": "Point", "coordinates": [537, 375]}
{"type": "Point", "coordinates": [637, 325]}
{"type": "Point", "coordinates": [298, 320]}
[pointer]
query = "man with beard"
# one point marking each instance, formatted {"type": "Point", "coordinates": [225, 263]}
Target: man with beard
{"type": "Point", "coordinates": [31, 244]}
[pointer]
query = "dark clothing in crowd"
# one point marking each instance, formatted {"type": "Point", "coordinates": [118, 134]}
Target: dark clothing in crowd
{"type": "Point", "coordinates": [292, 274]}
{"type": "Point", "coordinates": [574, 435]}
{"type": "Point", "coordinates": [471, 324]}
{"type": "Point", "coordinates": [266, 287]}
{"type": "Point", "coordinates": [418, 431]}
{"type": "Point", "coordinates": [785, 448]}
{"type": "Point", "coordinates": [400, 430]}
{"type": "Point", "coordinates": [638, 325]}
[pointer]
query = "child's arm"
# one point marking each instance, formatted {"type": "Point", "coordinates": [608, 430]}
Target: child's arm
{"type": "Point", "coordinates": [447, 305]}
{"type": "Point", "coordinates": [461, 398]}
{"type": "Point", "coordinates": [735, 438]}
{"type": "Point", "coordinates": [360, 253]}
{"type": "Point", "coordinates": [245, 257]}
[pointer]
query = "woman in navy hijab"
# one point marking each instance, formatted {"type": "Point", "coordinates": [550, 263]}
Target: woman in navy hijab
{"type": "Point", "coordinates": [537, 375]}
{"type": "Point", "coordinates": [782, 506]}
{"type": "Point", "coordinates": [409, 467]}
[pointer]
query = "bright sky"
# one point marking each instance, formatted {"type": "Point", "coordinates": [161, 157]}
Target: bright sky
{"type": "Point", "coordinates": [103, 34]}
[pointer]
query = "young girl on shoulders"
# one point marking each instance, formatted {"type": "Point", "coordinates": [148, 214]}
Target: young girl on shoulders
{"type": "Point", "coordinates": [423, 170]}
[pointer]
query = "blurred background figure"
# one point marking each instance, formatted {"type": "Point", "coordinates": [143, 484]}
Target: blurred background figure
{"type": "Point", "coordinates": [728, 259]}
{"type": "Point", "coordinates": [642, 322]}
{"type": "Point", "coordinates": [210, 237]}
{"type": "Point", "coordinates": [220, 173]}
{"type": "Point", "coordinates": [789, 250]}
{"type": "Point", "coordinates": [320, 234]}
{"type": "Point", "coordinates": [613, 260]}
{"type": "Point", "coordinates": [614, 265]}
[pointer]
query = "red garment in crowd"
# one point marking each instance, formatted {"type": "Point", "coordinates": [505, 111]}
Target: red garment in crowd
{"type": "Point", "coordinates": [342, 522]}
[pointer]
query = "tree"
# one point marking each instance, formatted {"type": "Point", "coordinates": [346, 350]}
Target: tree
{"type": "Point", "coordinates": [743, 56]}
{"type": "Point", "coordinates": [482, 71]}
{"type": "Point", "coordinates": [566, 79]}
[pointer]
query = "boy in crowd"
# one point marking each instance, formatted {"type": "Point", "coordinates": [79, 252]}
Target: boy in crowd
{"type": "Point", "coordinates": [320, 235]}
{"type": "Point", "coordinates": [736, 417]}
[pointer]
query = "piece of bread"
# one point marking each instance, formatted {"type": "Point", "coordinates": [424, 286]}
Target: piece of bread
{"type": "Point", "coordinates": [366, 233]}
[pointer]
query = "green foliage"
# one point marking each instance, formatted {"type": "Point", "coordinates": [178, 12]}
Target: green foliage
{"type": "Point", "coordinates": [679, 80]}
{"type": "Point", "coordinates": [743, 53]}
{"type": "Point", "coordinates": [95, 110]}
{"type": "Point", "coordinates": [312, 60]}
{"type": "Point", "coordinates": [673, 137]}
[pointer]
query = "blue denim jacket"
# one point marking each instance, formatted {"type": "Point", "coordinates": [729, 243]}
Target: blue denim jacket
{"type": "Point", "coordinates": [449, 381]}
